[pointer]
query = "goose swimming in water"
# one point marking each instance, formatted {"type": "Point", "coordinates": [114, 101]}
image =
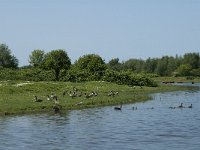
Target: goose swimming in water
{"type": "Point", "coordinates": [190, 106]}
{"type": "Point", "coordinates": [118, 108]}
{"type": "Point", "coordinates": [180, 106]}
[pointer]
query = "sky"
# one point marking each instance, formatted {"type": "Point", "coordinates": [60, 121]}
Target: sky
{"type": "Point", "coordinates": [121, 29]}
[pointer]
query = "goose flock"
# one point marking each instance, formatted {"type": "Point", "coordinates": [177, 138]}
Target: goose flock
{"type": "Point", "coordinates": [73, 94]}
{"type": "Point", "coordinates": [135, 107]}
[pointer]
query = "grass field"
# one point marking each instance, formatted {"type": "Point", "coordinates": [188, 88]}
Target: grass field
{"type": "Point", "coordinates": [17, 97]}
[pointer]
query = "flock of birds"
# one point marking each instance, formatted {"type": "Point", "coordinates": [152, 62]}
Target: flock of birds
{"type": "Point", "coordinates": [73, 93]}
{"type": "Point", "coordinates": [77, 93]}
{"type": "Point", "coordinates": [135, 107]}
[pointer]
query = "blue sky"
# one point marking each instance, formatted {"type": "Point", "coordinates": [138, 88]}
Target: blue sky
{"type": "Point", "coordinates": [121, 29]}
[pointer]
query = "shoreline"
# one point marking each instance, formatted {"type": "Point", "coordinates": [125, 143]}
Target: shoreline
{"type": "Point", "coordinates": [19, 100]}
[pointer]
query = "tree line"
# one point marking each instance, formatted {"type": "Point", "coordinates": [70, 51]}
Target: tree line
{"type": "Point", "coordinates": [56, 65]}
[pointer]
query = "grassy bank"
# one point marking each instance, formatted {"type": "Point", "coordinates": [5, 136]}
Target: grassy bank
{"type": "Point", "coordinates": [18, 97]}
{"type": "Point", "coordinates": [177, 79]}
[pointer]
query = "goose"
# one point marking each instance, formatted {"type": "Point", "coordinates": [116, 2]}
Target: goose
{"type": "Point", "coordinates": [118, 108]}
{"type": "Point", "coordinates": [79, 103]}
{"type": "Point", "coordinates": [80, 94]}
{"type": "Point", "coordinates": [94, 93]}
{"type": "Point", "coordinates": [48, 98]}
{"type": "Point", "coordinates": [116, 93]}
{"type": "Point", "coordinates": [134, 108]}
{"type": "Point", "coordinates": [72, 94]}
{"type": "Point", "coordinates": [180, 106]}
{"type": "Point", "coordinates": [75, 89]}
{"type": "Point", "coordinates": [64, 93]}
{"type": "Point", "coordinates": [111, 93]}
{"type": "Point", "coordinates": [56, 109]}
{"type": "Point", "coordinates": [56, 100]}
{"type": "Point", "coordinates": [172, 107]}
{"type": "Point", "coordinates": [87, 95]}
{"type": "Point", "coordinates": [190, 106]}
{"type": "Point", "coordinates": [37, 100]}
{"type": "Point", "coordinates": [53, 95]}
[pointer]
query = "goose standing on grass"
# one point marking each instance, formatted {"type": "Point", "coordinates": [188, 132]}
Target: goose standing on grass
{"type": "Point", "coordinates": [37, 99]}
{"type": "Point", "coordinates": [111, 93]}
{"type": "Point", "coordinates": [48, 98]}
{"type": "Point", "coordinates": [56, 100]}
{"type": "Point", "coordinates": [118, 108]}
{"type": "Point", "coordinates": [64, 93]}
{"type": "Point", "coordinates": [72, 94]}
{"type": "Point", "coordinates": [53, 95]}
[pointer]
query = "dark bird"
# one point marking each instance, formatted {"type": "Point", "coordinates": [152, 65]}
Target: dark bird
{"type": "Point", "coordinates": [172, 107]}
{"type": "Point", "coordinates": [37, 99]}
{"type": "Point", "coordinates": [56, 109]}
{"type": "Point", "coordinates": [180, 106]}
{"type": "Point", "coordinates": [190, 106]}
{"type": "Point", "coordinates": [72, 94]}
{"type": "Point", "coordinates": [64, 93]}
{"type": "Point", "coordinates": [118, 108]}
{"type": "Point", "coordinates": [134, 108]}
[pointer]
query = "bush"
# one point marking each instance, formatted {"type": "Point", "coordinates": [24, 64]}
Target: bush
{"type": "Point", "coordinates": [128, 78]}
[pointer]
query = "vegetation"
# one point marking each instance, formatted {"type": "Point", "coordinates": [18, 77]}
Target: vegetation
{"type": "Point", "coordinates": [6, 59]}
{"type": "Point", "coordinates": [18, 96]}
{"type": "Point", "coordinates": [90, 74]}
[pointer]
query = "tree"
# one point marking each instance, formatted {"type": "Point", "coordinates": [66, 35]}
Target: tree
{"type": "Point", "coordinates": [184, 70]}
{"type": "Point", "coordinates": [56, 60]}
{"type": "Point", "coordinates": [114, 64]}
{"type": "Point", "coordinates": [150, 65]}
{"type": "Point", "coordinates": [192, 59]}
{"type": "Point", "coordinates": [6, 59]}
{"type": "Point", "coordinates": [135, 65]}
{"type": "Point", "coordinates": [36, 58]}
{"type": "Point", "coordinates": [162, 66]}
{"type": "Point", "coordinates": [92, 64]}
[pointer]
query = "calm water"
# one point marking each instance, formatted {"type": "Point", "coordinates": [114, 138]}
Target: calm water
{"type": "Point", "coordinates": [104, 128]}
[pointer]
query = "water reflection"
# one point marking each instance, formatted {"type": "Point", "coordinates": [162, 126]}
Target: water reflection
{"type": "Point", "coordinates": [105, 128]}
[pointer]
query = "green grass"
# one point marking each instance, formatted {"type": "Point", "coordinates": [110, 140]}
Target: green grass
{"type": "Point", "coordinates": [18, 97]}
{"type": "Point", "coordinates": [176, 79]}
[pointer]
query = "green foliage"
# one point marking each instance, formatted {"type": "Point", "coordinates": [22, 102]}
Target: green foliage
{"type": "Point", "coordinates": [128, 78]}
{"type": "Point", "coordinates": [56, 60]}
{"type": "Point", "coordinates": [6, 59]}
{"type": "Point", "coordinates": [91, 64]}
{"type": "Point", "coordinates": [28, 74]}
{"type": "Point", "coordinates": [74, 75]}
{"type": "Point", "coordinates": [36, 58]}
{"type": "Point", "coordinates": [184, 70]}
{"type": "Point", "coordinates": [135, 65]}
{"type": "Point", "coordinates": [192, 59]}
{"type": "Point", "coordinates": [114, 64]}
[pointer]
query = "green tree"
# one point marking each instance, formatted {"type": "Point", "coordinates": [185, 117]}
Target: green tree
{"type": "Point", "coordinates": [135, 65]}
{"type": "Point", "coordinates": [6, 59]}
{"type": "Point", "coordinates": [56, 60]}
{"type": "Point", "coordinates": [162, 66]}
{"type": "Point", "coordinates": [92, 64]}
{"type": "Point", "coordinates": [150, 65]}
{"type": "Point", "coordinates": [36, 58]}
{"type": "Point", "coordinates": [114, 64]}
{"type": "Point", "coordinates": [192, 59]}
{"type": "Point", "coordinates": [184, 70]}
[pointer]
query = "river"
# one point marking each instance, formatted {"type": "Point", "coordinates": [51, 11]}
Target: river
{"type": "Point", "coordinates": [147, 128]}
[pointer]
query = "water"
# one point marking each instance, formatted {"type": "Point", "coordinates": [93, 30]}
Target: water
{"type": "Point", "coordinates": [104, 128]}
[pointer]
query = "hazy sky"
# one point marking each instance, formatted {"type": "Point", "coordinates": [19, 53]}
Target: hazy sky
{"type": "Point", "coordinates": [121, 29]}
